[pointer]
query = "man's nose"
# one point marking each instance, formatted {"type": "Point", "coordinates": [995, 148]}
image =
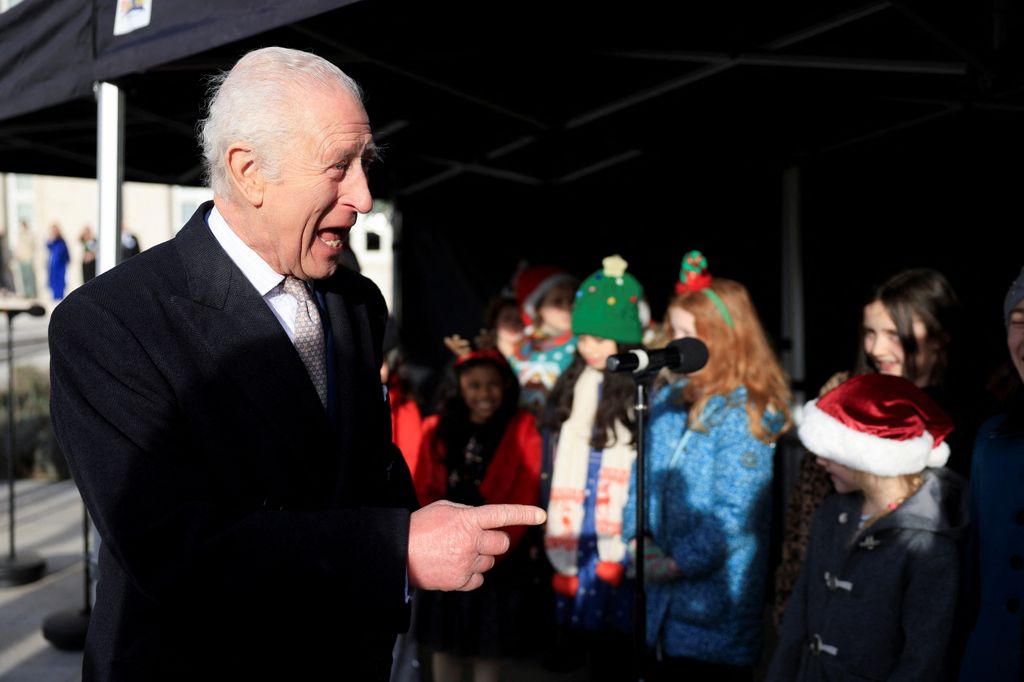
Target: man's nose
{"type": "Point", "coordinates": [357, 191]}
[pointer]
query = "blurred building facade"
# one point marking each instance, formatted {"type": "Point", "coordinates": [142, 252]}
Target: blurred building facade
{"type": "Point", "coordinates": [152, 213]}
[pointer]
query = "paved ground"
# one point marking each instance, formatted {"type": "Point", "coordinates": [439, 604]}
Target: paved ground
{"type": "Point", "coordinates": [49, 523]}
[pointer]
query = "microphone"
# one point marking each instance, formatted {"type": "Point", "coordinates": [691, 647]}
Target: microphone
{"type": "Point", "coordinates": [682, 356]}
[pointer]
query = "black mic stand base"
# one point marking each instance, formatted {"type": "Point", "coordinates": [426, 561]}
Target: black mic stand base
{"type": "Point", "coordinates": [21, 569]}
{"type": "Point", "coordinates": [66, 629]}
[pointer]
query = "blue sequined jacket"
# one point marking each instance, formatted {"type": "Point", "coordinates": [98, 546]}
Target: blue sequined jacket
{"type": "Point", "coordinates": [709, 507]}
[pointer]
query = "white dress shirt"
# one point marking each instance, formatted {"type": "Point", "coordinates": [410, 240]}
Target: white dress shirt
{"type": "Point", "coordinates": [268, 283]}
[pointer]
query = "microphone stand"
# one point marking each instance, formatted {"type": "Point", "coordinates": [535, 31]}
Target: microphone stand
{"type": "Point", "coordinates": [685, 356]}
{"type": "Point", "coordinates": [16, 570]}
{"type": "Point", "coordinates": [643, 381]}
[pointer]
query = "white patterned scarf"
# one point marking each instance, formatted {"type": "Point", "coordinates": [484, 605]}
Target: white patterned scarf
{"type": "Point", "coordinates": [569, 482]}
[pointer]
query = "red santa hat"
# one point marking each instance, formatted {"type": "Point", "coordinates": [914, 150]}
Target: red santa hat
{"type": "Point", "coordinates": [532, 283]}
{"type": "Point", "coordinates": [881, 424]}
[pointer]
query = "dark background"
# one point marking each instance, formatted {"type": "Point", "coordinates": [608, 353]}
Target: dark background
{"type": "Point", "coordinates": [564, 132]}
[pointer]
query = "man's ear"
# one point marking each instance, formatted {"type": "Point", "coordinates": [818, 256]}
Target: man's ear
{"type": "Point", "coordinates": [244, 173]}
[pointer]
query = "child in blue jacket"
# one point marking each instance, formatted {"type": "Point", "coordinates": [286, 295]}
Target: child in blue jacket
{"type": "Point", "coordinates": [708, 480]}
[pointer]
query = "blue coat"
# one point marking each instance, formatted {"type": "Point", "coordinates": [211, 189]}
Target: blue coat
{"type": "Point", "coordinates": [57, 266]}
{"type": "Point", "coordinates": [995, 568]}
{"type": "Point", "coordinates": [709, 507]}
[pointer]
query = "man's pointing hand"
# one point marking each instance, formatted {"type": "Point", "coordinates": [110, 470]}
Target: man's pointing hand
{"type": "Point", "coordinates": [452, 545]}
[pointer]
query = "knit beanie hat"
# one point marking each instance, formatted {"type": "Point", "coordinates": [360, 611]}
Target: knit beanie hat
{"type": "Point", "coordinates": [532, 283]}
{"type": "Point", "coordinates": [878, 423]}
{"type": "Point", "coordinates": [1014, 296]}
{"type": "Point", "coordinates": [608, 304]}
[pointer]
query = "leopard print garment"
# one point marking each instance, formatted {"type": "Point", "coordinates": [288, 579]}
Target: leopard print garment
{"type": "Point", "coordinates": [812, 486]}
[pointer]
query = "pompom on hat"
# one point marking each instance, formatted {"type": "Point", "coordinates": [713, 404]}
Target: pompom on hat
{"type": "Point", "coordinates": [878, 423]}
{"type": "Point", "coordinates": [609, 304]}
{"type": "Point", "coordinates": [532, 283]}
{"type": "Point", "coordinates": [694, 276]}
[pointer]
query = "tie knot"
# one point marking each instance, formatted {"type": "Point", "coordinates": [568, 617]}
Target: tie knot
{"type": "Point", "coordinates": [297, 288]}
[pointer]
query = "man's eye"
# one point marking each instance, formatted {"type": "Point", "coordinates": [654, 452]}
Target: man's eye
{"type": "Point", "coordinates": [341, 165]}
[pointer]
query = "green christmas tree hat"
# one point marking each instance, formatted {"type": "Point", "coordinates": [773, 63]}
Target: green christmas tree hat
{"type": "Point", "coordinates": [608, 304]}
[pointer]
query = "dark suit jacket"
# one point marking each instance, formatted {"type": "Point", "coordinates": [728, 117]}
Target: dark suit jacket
{"type": "Point", "coordinates": [245, 536]}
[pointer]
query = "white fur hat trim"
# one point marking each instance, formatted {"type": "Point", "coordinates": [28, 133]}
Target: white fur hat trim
{"type": "Point", "coordinates": [827, 437]}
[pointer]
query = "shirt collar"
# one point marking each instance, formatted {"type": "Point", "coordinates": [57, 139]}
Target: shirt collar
{"type": "Point", "coordinates": [252, 265]}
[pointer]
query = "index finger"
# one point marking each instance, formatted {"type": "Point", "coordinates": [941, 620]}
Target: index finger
{"type": "Point", "coordinates": [502, 515]}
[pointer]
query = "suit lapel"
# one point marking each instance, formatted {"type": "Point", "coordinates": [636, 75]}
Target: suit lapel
{"type": "Point", "coordinates": [246, 341]}
{"type": "Point", "coordinates": [358, 381]}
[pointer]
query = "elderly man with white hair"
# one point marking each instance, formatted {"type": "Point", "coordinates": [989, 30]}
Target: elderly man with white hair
{"type": "Point", "coordinates": [219, 403]}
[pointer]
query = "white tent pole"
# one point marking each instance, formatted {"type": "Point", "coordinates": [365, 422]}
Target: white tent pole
{"type": "Point", "coordinates": [109, 172]}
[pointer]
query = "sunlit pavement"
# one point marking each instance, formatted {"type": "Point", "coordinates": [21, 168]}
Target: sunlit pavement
{"type": "Point", "coordinates": [49, 523]}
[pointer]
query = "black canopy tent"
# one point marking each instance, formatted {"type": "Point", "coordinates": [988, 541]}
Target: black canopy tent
{"type": "Point", "coordinates": [563, 133]}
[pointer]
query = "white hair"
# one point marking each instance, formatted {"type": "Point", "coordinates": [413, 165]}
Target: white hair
{"type": "Point", "coordinates": [256, 101]}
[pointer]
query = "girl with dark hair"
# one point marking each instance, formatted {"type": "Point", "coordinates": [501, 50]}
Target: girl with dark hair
{"type": "Point", "coordinates": [480, 448]}
{"type": "Point", "coordinates": [909, 324]}
{"type": "Point", "coordinates": [709, 471]}
{"type": "Point", "coordinates": [591, 412]}
{"type": "Point", "coordinates": [502, 320]}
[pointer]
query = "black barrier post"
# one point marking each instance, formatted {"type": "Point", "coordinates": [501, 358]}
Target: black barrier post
{"type": "Point", "coordinates": [66, 630]}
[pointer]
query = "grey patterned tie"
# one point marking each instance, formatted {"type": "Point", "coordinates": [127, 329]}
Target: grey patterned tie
{"type": "Point", "coordinates": [309, 335]}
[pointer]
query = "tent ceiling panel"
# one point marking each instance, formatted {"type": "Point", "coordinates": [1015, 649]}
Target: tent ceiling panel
{"type": "Point", "coordinates": [549, 94]}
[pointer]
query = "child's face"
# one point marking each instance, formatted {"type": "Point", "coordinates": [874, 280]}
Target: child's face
{"type": "Point", "coordinates": [683, 323]}
{"type": "Point", "coordinates": [482, 390]}
{"type": "Point", "coordinates": [845, 479]}
{"type": "Point", "coordinates": [555, 309]}
{"type": "Point", "coordinates": [596, 350]}
{"type": "Point", "coordinates": [882, 344]}
{"type": "Point", "coordinates": [508, 325]}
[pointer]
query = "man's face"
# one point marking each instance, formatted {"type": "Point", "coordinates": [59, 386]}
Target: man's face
{"type": "Point", "coordinates": [307, 212]}
{"type": "Point", "coordinates": [1015, 338]}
